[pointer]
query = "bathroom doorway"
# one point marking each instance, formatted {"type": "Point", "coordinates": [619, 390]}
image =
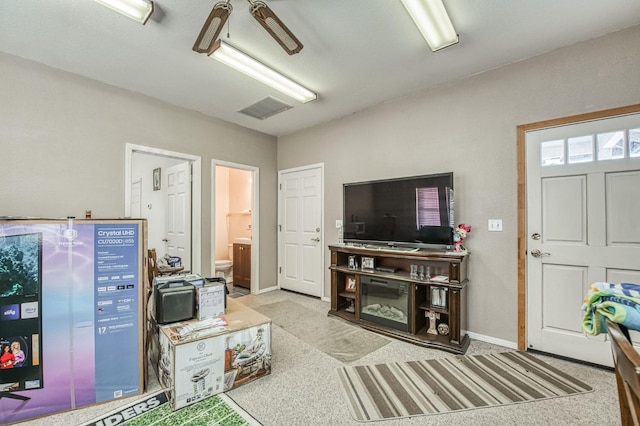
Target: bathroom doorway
{"type": "Point", "coordinates": [234, 242]}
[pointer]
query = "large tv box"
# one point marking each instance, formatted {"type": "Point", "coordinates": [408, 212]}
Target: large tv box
{"type": "Point", "coordinates": [175, 301]}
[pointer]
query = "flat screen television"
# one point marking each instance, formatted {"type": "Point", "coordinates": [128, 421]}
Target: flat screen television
{"type": "Point", "coordinates": [20, 313]}
{"type": "Point", "coordinates": [416, 212]}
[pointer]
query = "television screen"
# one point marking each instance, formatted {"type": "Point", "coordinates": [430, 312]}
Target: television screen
{"type": "Point", "coordinates": [414, 211]}
{"type": "Point", "coordinates": [20, 319]}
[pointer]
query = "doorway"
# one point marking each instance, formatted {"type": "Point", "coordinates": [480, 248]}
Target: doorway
{"type": "Point", "coordinates": [300, 236]}
{"type": "Point", "coordinates": [580, 173]}
{"type": "Point", "coordinates": [235, 219]}
{"type": "Point", "coordinates": [177, 231]}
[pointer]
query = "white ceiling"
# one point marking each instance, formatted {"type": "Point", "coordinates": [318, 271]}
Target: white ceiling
{"type": "Point", "coordinates": [357, 53]}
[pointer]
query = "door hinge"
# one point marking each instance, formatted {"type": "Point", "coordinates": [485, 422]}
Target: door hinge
{"type": "Point", "coordinates": [280, 187]}
{"type": "Point", "coordinates": [280, 270]}
{"type": "Point", "coordinates": [280, 228]}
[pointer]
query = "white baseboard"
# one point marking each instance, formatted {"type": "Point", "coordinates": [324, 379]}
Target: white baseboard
{"type": "Point", "coordinates": [493, 340]}
{"type": "Point", "coordinates": [268, 289]}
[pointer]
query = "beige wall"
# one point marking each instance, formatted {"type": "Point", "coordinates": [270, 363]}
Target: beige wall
{"type": "Point", "coordinates": [239, 204]}
{"type": "Point", "coordinates": [63, 137]}
{"type": "Point", "coordinates": [470, 128]}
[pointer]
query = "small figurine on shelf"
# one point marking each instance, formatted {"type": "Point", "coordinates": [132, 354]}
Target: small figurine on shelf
{"type": "Point", "coordinates": [351, 308]}
{"type": "Point", "coordinates": [459, 234]}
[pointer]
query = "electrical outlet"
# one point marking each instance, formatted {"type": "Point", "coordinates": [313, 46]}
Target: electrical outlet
{"type": "Point", "coordinates": [338, 223]}
{"type": "Point", "coordinates": [495, 225]}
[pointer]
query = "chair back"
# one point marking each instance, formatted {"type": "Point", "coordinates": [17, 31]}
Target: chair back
{"type": "Point", "coordinates": [627, 366]}
{"type": "Point", "coordinates": [155, 271]}
{"type": "Point", "coordinates": [152, 265]}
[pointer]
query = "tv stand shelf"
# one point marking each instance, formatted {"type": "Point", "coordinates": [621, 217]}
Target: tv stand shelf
{"type": "Point", "coordinates": [348, 295]}
{"type": "Point", "coordinates": [435, 311]}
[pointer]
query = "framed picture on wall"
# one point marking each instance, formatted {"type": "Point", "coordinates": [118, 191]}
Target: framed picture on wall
{"type": "Point", "coordinates": [156, 179]}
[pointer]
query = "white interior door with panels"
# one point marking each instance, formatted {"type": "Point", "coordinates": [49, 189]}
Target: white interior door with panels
{"type": "Point", "coordinates": [178, 212]}
{"type": "Point", "coordinates": [583, 205]}
{"type": "Point", "coordinates": [136, 198]}
{"type": "Point", "coordinates": [300, 235]}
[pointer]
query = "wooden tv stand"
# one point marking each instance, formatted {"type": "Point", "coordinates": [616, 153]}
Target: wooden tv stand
{"type": "Point", "coordinates": [446, 306]}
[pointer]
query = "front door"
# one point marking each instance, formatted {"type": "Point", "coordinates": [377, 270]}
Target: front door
{"type": "Point", "coordinates": [178, 212]}
{"type": "Point", "coordinates": [300, 237]}
{"type": "Point", "coordinates": [583, 205]}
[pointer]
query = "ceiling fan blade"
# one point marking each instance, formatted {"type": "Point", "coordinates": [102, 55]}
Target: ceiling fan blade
{"type": "Point", "coordinates": [212, 27]}
{"type": "Point", "coordinates": [274, 26]}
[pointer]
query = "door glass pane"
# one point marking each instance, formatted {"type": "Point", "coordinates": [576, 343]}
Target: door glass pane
{"type": "Point", "coordinates": [580, 149]}
{"type": "Point", "coordinates": [610, 145]}
{"type": "Point", "coordinates": [552, 152]}
{"type": "Point", "coordinates": [634, 142]}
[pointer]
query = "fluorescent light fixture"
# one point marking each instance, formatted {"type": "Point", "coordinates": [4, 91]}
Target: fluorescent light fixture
{"type": "Point", "coordinates": [244, 63]}
{"type": "Point", "coordinates": [138, 10]}
{"type": "Point", "coordinates": [433, 22]}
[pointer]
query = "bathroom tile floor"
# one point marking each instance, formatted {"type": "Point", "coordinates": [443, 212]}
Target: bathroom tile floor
{"type": "Point", "coordinates": [237, 291]}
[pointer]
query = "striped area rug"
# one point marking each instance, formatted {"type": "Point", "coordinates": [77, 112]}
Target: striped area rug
{"type": "Point", "coordinates": [403, 389]}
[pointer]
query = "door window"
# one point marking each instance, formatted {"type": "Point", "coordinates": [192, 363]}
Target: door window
{"type": "Point", "coordinates": [580, 149]}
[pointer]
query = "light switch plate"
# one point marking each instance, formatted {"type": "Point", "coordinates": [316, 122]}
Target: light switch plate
{"type": "Point", "coordinates": [495, 225]}
{"type": "Point", "coordinates": [338, 223]}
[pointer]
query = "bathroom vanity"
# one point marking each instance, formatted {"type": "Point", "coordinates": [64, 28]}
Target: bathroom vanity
{"type": "Point", "coordinates": [242, 265]}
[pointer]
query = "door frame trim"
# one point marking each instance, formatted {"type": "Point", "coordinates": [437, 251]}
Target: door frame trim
{"type": "Point", "coordinates": [322, 224]}
{"type": "Point", "coordinates": [522, 199]}
{"type": "Point", "coordinates": [196, 193]}
{"type": "Point", "coordinates": [255, 218]}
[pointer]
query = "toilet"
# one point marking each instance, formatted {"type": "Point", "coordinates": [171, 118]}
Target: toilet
{"type": "Point", "coordinates": [223, 267]}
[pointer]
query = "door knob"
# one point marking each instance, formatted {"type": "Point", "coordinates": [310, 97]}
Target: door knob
{"type": "Point", "coordinates": [538, 253]}
{"type": "Point", "coordinates": [317, 240]}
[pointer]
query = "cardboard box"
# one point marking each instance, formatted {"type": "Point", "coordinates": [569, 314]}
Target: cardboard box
{"type": "Point", "coordinates": [195, 365]}
{"type": "Point", "coordinates": [81, 301]}
{"type": "Point", "coordinates": [210, 300]}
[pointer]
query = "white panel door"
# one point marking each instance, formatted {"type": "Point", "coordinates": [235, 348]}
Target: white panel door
{"type": "Point", "coordinates": [583, 204]}
{"type": "Point", "coordinates": [178, 212]}
{"type": "Point", "coordinates": [300, 233]}
{"type": "Point", "coordinates": [136, 199]}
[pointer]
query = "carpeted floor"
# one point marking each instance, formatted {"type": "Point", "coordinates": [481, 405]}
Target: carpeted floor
{"type": "Point", "coordinates": [303, 387]}
{"type": "Point", "coordinates": [332, 336]}
{"type": "Point", "coordinates": [405, 389]}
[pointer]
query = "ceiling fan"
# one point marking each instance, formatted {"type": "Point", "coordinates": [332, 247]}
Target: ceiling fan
{"type": "Point", "coordinates": [261, 12]}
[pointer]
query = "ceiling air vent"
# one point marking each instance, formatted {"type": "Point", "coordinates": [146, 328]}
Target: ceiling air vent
{"type": "Point", "coordinates": [265, 108]}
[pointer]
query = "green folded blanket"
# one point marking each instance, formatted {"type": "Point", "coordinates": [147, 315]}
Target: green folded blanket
{"type": "Point", "coordinates": [618, 302]}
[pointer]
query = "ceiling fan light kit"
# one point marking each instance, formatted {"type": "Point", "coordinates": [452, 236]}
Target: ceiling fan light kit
{"type": "Point", "coordinates": [212, 27]}
{"type": "Point", "coordinates": [138, 10]}
{"type": "Point", "coordinates": [244, 63]}
{"type": "Point", "coordinates": [434, 23]}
